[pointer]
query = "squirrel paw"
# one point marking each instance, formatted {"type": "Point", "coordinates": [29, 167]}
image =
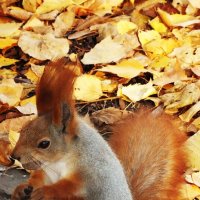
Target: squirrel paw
{"type": "Point", "coordinates": [22, 192]}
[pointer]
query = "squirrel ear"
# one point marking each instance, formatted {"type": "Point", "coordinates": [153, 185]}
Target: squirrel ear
{"type": "Point", "coordinates": [61, 117]}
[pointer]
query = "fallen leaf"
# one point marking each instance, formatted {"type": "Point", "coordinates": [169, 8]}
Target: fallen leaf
{"type": "Point", "coordinates": [49, 5]}
{"type": "Point", "coordinates": [196, 122]}
{"type": "Point", "coordinates": [193, 178]}
{"type": "Point", "coordinates": [6, 61]}
{"type": "Point", "coordinates": [33, 22]}
{"type": "Point", "coordinates": [177, 19]}
{"type": "Point", "coordinates": [32, 76]}
{"type": "Point", "coordinates": [87, 88]}
{"type": "Point", "coordinates": [193, 151]}
{"type": "Point", "coordinates": [9, 29]}
{"type": "Point", "coordinates": [15, 124]}
{"type": "Point", "coordinates": [187, 116]}
{"type": "Point", "coordinates": [5, 152]}
{"type": "Point", "coordinates": [127, 68]}
{"type": "Point", "coordinates": [30, 5]}
{"type": "Point", "coordinates": [108, 116]}
{"type": "Point", "coordinates": [138, 92]}
{"type": "Point", "coordinates": [7, 42]}
{"type": "Point", "coordinates": [158, 26]}
{"type": "Point", "coordinates": [124, 26]}
{"type": "Point", "coordinates": [190, 192]}
{"type": "Point", "coordinates": [13, 137]}
{"type": "Point", "coordinates": [105, 51]}
{"type": "Point", "coordinates": [43, 47]}
{"type": "Point", "coordinates": [10, 92]}
{"type": "Point", "coordinates": [27, 109]}
{"type": "Point", "coordinates": [108, 85]}
{"type": "Point", "coordinates": [63, 23]}
{"type": "Point", "coordinates": [18, 13]}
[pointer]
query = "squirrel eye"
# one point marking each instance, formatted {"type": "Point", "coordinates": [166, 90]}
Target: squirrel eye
{"type": "Point", "coordinates": [44, 144]}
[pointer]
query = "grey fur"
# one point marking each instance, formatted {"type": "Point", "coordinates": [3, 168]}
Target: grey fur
{"type": "Point", "coordinates": [103, 174]}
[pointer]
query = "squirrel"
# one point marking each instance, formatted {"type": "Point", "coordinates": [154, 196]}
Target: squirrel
{"type": "Point", "coordinates": [143, 159]}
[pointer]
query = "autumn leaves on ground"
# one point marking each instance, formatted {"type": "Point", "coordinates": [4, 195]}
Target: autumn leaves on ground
{"type": "Point", "coordinates": [127, 54]}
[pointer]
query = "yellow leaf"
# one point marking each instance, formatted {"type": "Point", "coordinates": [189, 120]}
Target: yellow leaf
{"type": "Point", "coordinates": [13, 138]}
{"type": "Point", "coordinates": [189, 191]}
{"type": "Point", "coordinates": [10, 92]}
{"type": "Point", "coordinates": [124, 26]}
{"type": "Point", "coordinates": [187, 116]}
{"type": "Point", "coordinates": [127, 68]}
{"type": "Point", "coordinates": [160, 62]}
{"type": "Point", "coordinates": [157, 25]}
{"type": "Point", "coordinates": [29, 100]}
{"type": "Point", "coordinates": [7, 61]}
{"type": "Point", "coordinates": [7, 42]}
{"type": "Point", "coordinates": [32, 76]}
{"type": "Point", "coordinates": [108, 85]}
{"type": "Point", "coordinates": [138, 92]}
{"type": "Point", "coordinates": [148, 36]}
{"type": "Point", "coordinates": [9, 29]}
{"type": "Point", "coordinates": [7, 74]}
{"type": "Point", "coordinates": [33, 22]}
{"type": "Point", "coordinates": [87, 88]}
{"type": "Point", "coordinates": [193, 151]}
{"type": "Point", "coordinates": [160, 47]}
{"type": "Point", "coordinates": [30, 5]}
{"type": "Point", "coordinates": [196, 122]}
{"type": "Point", "coordinates": [177, 19]}
{"type": "Point", "coordinates": [49, 5]}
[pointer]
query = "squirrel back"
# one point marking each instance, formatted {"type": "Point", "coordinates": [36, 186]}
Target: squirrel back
{"type": "Point", "coordinates": [150, 148]}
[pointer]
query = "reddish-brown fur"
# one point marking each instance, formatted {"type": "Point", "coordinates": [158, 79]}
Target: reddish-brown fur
{"type": "Point", "coordinates": [150, 149]}
{"type": "Point", "coordinates": [56, 87]}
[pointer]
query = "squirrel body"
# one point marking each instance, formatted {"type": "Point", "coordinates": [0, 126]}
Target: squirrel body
{"type": "Point", "coordinates": [143, 160]}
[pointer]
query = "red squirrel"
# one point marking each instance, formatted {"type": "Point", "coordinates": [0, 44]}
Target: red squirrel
{"type": "Point", "coordinates": [143, 160]}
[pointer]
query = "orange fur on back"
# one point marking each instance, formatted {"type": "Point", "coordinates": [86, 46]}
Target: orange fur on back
{"type": "Point", "coordinates": [149, 147]}
{"type": "Point", "coordinates": [56, 87]}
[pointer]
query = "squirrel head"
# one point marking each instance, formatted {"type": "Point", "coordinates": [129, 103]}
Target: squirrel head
{"type": "Point", "coordinates": [47, 138]}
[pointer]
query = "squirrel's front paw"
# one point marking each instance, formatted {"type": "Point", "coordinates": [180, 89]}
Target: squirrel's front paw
{"type": "Point", "coordinates": [22, 192]}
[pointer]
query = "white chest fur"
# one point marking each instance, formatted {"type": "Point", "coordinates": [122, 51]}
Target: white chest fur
{"type": "Point", "coordinates": [58, 170]}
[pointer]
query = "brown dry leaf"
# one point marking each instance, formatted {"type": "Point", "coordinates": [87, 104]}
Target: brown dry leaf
{"type": "Point", "coordinates": [10, 92]}
{"type": "Point", "coordinates": [87, 88]}
{"type": "Point", "coordinates": [43, 47]}
{"type": "Point", "coordinates": [105, 52]}
{"type": "Point", "coordinates": [108, 116]}
{"type": "Point", "coordinates": [15, 124]}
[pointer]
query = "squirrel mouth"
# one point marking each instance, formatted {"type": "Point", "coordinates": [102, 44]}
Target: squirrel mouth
{"type": "Point", "coordinates": [32, 165]}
